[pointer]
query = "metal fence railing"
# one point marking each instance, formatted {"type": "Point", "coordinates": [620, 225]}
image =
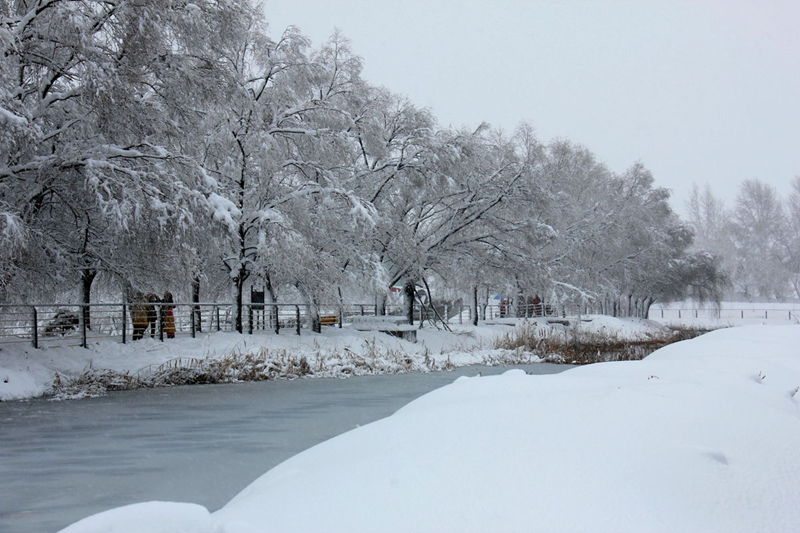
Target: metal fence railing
{"type": "Point", "coordinates": [530, 310]}
{"type": "Point", "coordinates": [79, 324]}
{"type": "Point", "coordinates": [790, 314]}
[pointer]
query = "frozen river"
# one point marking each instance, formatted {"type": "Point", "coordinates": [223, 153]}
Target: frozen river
{"type": "Point", "coordinates": [62, 461]}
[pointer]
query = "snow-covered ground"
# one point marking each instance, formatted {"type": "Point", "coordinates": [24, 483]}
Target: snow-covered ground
{"type": "Point", "coordinates": [703, 435]}
{"type": "Point", "coordinates": [27, 372]}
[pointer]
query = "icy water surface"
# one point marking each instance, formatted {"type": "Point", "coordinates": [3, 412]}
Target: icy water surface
{"type": "Point", "coordinates": [62, 461]}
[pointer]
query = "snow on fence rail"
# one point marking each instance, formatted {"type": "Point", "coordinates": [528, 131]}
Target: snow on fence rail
{"type": "Point", "coordinates": [78, 324]}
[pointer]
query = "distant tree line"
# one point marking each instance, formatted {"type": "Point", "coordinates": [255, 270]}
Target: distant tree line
{"type": "Point", "coordinates": [757, 240]}
{"type": "Point", "coordinates": [151, 144]}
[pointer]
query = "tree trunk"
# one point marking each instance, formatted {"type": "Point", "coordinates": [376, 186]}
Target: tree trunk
{"type": "Point", "coordinates": [475, 305]}
{"type": "Point", "coordinates": [342, 310]}
{"type": "Point", "coordinates": [312, 308]}
{"type": "Point", "coordinates": [87, 278]}
{"type": "Point", "coordinates": [380, 304]}
{"type": "Point", "coordinates": [242, 273]}
{"type": "Point", "coordinates": [198, 317]}
{"type": "Point", "coordinates": [409, 293]}
{"type": "Point", "coordinates": [238, 297]}
{"type": "Point", "coordinates": [648, 301]}
{"type": "Point", "coordinates": [237, 304]}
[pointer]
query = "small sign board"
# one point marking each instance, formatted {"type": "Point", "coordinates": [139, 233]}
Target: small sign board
{"type": "Point", "coordinates": [257, 297]}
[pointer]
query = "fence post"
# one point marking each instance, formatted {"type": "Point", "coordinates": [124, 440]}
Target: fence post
{"type": "Point", "coordinates": [695, 313]}
{"type": "Point", "coordinates": [679, 313]}
{"type": "Point", "coordinates": [160, 308]}
{"type": "Point", "coordinates": [277, 316]}
{"type": "Point", "coordinates": [460, 313]}
{"type": "Point", "coordinates": [192, 321]}
{"type": "Point", "coordinates": [216, 313]}
{"type": "Point", "coordinates": [83, 326]}
{"type": "Point", "coordinates": [124, 322]}
{"type": "Point", "coordinates": [742, 311]}
{"type": "Point", "coordinates": [297, 318]}
{"type": "Point", "coordinates": [766, 314]}
{"type": "Point", "coordinates": [362, 310]}
{"type": "Point", "coordinates": [341, 316]}
{"type": "Point", "coordinates": [662, 312]}
{"type": "Point", "coordinates": [249, 319]}
{"type": "Point", "coordinates": [35, 328]}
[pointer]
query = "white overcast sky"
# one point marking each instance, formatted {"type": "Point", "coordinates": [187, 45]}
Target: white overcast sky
{"type": "Point", "coordinates": [699, 91]}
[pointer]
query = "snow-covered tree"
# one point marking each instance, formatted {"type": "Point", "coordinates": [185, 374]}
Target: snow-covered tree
{"type": "Point", "coordinates": [758, 232]}
{"type": "Point", "coordinates": [84, 158]}
{"type": "Point", "coordinates": [154, 146]}
{"type": "Point", "coordinates": [439, 207]}
{"type": "Point", "coordinates": [792, 240]}
{"type": "Point", "coordinates": [614, 239]}
{"type": "Point", "coordinates": [268, 147]}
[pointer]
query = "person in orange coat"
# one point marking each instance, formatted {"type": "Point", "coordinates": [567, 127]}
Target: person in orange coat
{"type": "Point", "coordinates": [140, 312]}
{"type": "Point", "coordinates": [168, 315]}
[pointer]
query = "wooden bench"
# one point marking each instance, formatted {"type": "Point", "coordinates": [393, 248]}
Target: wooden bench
{"type": "Point", "coordinates": [328, 320]}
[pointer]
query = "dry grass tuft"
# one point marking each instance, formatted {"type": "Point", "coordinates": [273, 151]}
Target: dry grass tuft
{"type": "Point", "coordinates": [260, 366]}
{"type": "Point", "coordinates": [573, 346]}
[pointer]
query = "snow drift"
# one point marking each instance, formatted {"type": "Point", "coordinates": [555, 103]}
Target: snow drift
{"type": "Point", "coordinates": [703, 435]}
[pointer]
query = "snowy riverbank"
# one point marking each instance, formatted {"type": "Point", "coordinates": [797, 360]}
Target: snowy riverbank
{"type": "Point", "coordinates": [703, 435]}
{"type": "Point", "coordinates": [26, 372]}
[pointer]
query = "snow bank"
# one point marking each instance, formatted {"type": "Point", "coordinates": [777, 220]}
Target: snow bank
{"type": "Point", "coordinates": [150, 517]}
{"type": "Point", "coordinates": [630, 328]}
{"type": "Point", "coordinates": [26, 372]}
{"type": "Point", "coordinates": [703, 435]}
{"type": "Point", "coordinates": [623, 328]}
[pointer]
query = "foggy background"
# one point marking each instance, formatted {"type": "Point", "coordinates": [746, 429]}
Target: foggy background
{"type": "Point", "coordinates": [703, 91]}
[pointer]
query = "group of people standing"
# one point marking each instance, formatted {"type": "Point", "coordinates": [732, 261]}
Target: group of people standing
{"type": "Point", "coordinates": [150, 311]}
{"type": "Point", "coordinates": [525, 307]}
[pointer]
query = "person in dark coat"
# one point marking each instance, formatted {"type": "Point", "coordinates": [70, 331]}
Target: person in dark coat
{"type": "Point", "coordinates": [537, 306]}
{"type": "Point", "coordinates": [152, 314]}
